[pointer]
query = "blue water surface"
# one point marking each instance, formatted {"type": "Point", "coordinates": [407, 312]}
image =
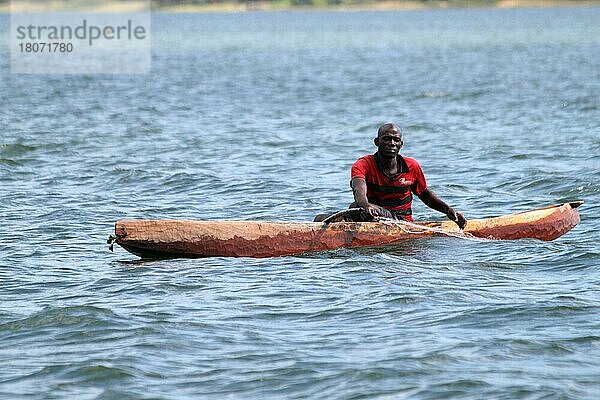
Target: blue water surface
{"type": "Point", "coordinates": [259, 116]}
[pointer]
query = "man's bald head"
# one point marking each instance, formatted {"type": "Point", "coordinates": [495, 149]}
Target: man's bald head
{"type": "Point", "coordinates": [388, 128]}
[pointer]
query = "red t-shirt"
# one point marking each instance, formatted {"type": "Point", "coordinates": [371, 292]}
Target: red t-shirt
{"type": "Point", "coordinates": [393, 193]}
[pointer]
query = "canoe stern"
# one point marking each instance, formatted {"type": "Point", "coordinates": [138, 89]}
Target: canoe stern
{"type": "Point", "coordinates": [546, 224]}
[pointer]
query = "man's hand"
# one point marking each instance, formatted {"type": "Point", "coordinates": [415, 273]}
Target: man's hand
{"type": "Point", "coordinates": [457, 217]}
{"type": "Point", "coordinates": [432, 201]}
{"type": "Point", "coordinates": [370, 211]}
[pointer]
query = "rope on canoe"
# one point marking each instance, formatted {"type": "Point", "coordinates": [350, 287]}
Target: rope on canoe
{"type": "Point", "coordinates": [408, 227]}
{"type": "Point", "coordinates": [111, 242]}
{"type": "Point", "coordinates": [416, 229]}
{"type": "Point", "coordinates": [341, 214]}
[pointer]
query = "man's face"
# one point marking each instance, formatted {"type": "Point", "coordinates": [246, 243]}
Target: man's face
{"type": "Point", "coordinates": [389, 143]}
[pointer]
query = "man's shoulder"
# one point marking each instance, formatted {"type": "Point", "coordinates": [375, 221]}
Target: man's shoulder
{"type": "Point", "coordinates": [410, 161]}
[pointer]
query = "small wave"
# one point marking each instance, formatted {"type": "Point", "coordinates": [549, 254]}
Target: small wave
{"type": "Point", "coordinates": [65, 316]}
{"type": "Point", "coordinates": [16, 149]}
{"type": "Point", "coordinates": [10, 162]}
{"type": "Point", "coordinates": [84, 373]}
{"type": "Point", "coordinates": [433, 94]}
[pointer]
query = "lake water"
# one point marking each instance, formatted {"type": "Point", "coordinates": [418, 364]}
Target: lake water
{"type": "Point", "coordinates": [259, 116]}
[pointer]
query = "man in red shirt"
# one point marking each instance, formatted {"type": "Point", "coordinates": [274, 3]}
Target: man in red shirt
{"type": "Point", "coordinates": [383, 183]}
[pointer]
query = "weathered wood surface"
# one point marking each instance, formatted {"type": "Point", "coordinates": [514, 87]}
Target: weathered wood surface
{"type": "Point", "coordinates": [184, 238]}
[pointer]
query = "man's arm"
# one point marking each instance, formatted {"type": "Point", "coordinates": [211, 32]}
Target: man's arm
{"type": "Point", "coordinates": [432, 201]}
{"type": "Point", "coordinates": [359, 190]}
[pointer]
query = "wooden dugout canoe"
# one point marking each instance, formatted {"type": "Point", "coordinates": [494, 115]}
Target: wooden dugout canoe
{"type": "Point", "coordinates": [185, 238]}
